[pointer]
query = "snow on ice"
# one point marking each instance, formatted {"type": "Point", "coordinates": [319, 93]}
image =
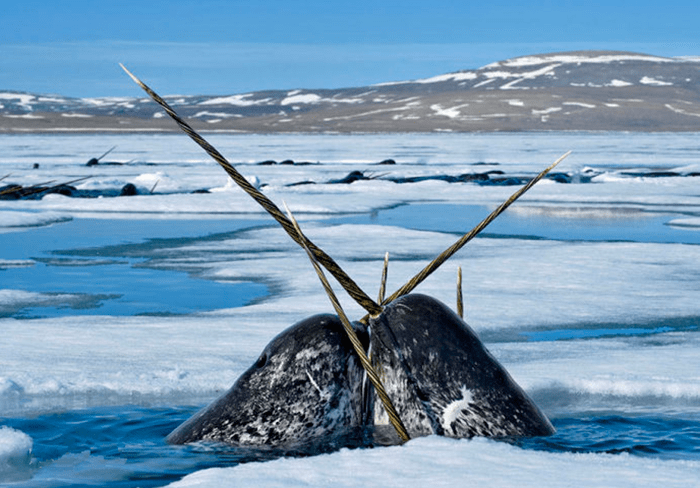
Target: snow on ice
{"type": "Point", "coordinates": [560, 294]}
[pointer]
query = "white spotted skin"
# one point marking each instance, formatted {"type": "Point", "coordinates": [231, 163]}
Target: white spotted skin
{"type": "Point", "coordinates": [452, 412]}
{"type": "Point", "coordinates": [305, 386]}
{"type": "Point", "coordinates": [442, 378]}
{"type": "Point", "coordinates": [308, 385]}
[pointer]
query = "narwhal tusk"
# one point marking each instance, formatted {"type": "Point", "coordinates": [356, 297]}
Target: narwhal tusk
{"type": "Point", "coordinates": [460, 303]}
{"type": "Point", "coordinates": [449, 252]}
{"type": "Point", "coordinates": [107, 152]}
{"type": "Point", "coordinates": [356, 344]}
{"type": "Point", "coordinates": [347, 283]}
{"type": "Point", "coordinates": [385, 272]}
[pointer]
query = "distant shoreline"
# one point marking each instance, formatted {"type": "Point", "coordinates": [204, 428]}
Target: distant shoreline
{"type": "Point", "coordinates": [175, 131]}
{"type": "Point", "coordinates": [48, 124]}
{"type": "Point", "coordinates": [575, 91]}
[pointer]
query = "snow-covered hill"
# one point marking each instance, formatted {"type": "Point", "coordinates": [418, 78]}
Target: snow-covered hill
{"type": "Point", "coordinates": [587, 90]}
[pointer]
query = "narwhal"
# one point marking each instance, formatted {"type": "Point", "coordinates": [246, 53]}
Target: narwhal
{"type": "Point", "coordinates": [306, 385]}
{"type": "Point", "coordinates": [411, 363]}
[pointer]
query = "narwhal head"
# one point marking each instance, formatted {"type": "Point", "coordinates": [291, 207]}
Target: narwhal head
{"type": "Point", "coordinates": [305, 386]}
{"type": "Point", "coordinates": [442, 379]}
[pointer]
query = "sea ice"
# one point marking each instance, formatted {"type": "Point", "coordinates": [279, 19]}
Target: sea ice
{"type": "Point", "coordinates": [440, 461]}
{"type": "Point", "coordinates": [15, 455]}
{"type": "Point", "coordinates": [553, 311]}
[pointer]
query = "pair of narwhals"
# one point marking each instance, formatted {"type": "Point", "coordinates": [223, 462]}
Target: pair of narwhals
{"type": "Point", "coordinates": [428, 374]}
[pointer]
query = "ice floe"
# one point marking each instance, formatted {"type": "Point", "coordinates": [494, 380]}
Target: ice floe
{"type": "Point", "coordinates": [584, 325]}
{"type": "Point", "coordinates": [15, 455]}
{"type": "Point", "coordinates": [15, 220]}
{"type": "Point", "coordinates": [435, 461]}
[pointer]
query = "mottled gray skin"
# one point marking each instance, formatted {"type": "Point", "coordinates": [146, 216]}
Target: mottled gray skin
{"type": "Point", "coordinates": [441, 378]}
{"type": "Point", "coordinates": [306, 386]}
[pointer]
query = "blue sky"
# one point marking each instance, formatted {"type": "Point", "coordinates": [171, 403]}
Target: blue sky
{"type": "Point", "coordinates": [73, 47]}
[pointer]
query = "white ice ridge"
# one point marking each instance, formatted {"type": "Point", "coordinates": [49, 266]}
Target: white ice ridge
{"type": "Point", "coordinates": [15, 454]}
{"type": "Point", "coordinates": [17, 219]}
{"type": "Point", "coordinates": [688, 222]}
{"type": "Point", "coordinates": [442, 462]}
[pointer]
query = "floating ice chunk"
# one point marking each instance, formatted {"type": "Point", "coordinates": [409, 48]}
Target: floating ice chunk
{"type": "Point", "coordinates": [14, 220]}
{"type": "Point", "coordinates": [232, 186]}
{"type": "Point", "coordinates": [15, 455]}
{"type": "Point", "coordinates": [688, 223]}
{"type": "Point", "coordinates": [253, 180]}
{"type": "Point", "coordinates": [15, 263]}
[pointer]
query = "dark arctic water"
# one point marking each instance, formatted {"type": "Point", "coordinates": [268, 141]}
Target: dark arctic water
{"type": "Point", "coordinates": [125, 447]}
{"type": "Point", "coordinates": [86, 259]}
{"type": "Point", "coordinates": [613, 224]}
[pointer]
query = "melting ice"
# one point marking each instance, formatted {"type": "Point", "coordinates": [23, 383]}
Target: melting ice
{"type": "Point", "coordinates": [586, 291]}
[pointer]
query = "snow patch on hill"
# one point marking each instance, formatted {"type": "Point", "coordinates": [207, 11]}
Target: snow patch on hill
{"type": "Point", "coordinates": [577, 58]}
